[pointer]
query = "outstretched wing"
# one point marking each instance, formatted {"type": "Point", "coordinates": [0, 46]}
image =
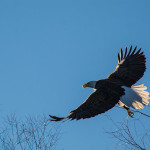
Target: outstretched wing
{"type": "Point", "coordinates": [98, 102]}
{"type": "Point", "coordinates": [131, 67]}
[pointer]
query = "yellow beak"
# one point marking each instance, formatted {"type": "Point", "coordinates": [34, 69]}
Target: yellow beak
{"type": "Point", "coordinates": [85, 85]}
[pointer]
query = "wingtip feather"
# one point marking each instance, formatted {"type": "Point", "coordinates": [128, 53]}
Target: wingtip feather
{"type": "Point", "coordinates": [54, 118]}
{"type": "Point", "coordinates": [118, 58]}
{"type": "Point", "coordinates": [134, 50]}
{"type": "Point", "coordinates": [129, 51]}
{"type": "Point", "coordinates": [121, 53]}
{"type": "Point", "coordinates": [125, 52]}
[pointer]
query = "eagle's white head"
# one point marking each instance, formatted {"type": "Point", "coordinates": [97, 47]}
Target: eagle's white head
{"type": "Point", "coordinates": [90, 84]}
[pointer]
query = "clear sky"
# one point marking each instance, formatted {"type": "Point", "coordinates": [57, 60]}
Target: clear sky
{"type": "Point", "coordinates": [49, 49]}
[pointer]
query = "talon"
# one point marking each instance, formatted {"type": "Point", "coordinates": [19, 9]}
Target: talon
{"type": "Point", "coordinates": [130, 113]}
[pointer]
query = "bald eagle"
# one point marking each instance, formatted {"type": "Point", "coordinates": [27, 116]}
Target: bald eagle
{"type": "Point", "coordinates": [117, 88]}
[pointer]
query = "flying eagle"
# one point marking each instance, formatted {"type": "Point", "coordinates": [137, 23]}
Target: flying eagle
{"type": "Point", "coordinates": [118, 87]}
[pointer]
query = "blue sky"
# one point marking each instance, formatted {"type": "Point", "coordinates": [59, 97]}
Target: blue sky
{"type": "Point", "coordinates": [49, 49]}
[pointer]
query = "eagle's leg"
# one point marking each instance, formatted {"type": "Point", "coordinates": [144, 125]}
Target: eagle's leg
{"type": "Point", "coordinates": [130, 113]}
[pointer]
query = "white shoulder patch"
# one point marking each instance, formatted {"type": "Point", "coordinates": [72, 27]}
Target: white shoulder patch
{"type": "Point", "coordinates": [135, 96]}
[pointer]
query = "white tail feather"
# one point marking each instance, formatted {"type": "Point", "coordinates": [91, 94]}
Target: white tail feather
{"type": "Point", "coordinates": [135, 96]}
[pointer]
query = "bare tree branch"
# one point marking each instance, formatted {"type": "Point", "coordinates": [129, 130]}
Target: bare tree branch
{"type": "Point", "coordinates": [35, 133]}
{"type": "Point", "coordinates": [131, 134]}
